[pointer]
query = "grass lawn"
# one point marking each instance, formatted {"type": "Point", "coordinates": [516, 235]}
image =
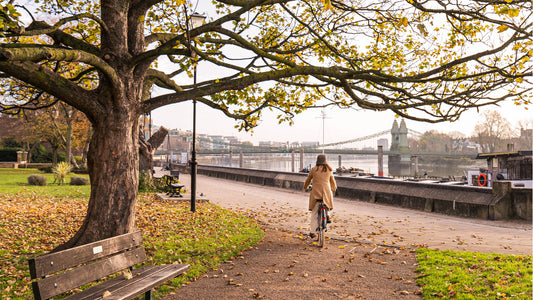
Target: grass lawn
{"type": "Point", "coordinates": [466, 275]}
{"type": "Point", "coordinates": [35, 219]}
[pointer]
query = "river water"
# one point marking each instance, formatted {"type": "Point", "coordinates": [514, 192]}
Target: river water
{"type": "Point", "coordinates": [366, 163]}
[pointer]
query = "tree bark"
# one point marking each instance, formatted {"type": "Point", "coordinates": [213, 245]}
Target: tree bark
{"type": "Point", "coordinates": [113, 160]}
{"type": "Point", "coordinates": [147, 149]}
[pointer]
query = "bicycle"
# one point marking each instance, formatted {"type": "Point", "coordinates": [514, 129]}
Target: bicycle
{"type": "Point", "coordinates": [322, 222]}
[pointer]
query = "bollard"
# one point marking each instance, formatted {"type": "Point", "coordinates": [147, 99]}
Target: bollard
{"type": "Point", "coordinates": [301, 158]}
{"type": "Point", "coordinates": [416, 165]}
{"type": "Point", "coordinates": [380, 160]}
{"type": "Point", "coordinates": [292, 160]}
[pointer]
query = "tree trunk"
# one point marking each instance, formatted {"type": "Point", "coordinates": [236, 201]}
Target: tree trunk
{"type": "Point", "coordinates": [30, 151]}
{"type": "Point", "coordinates": [86, 150]}
{"type": "Point", "coordinates": [113, 160]}
{"type": "Point", "coordinates": [147, 149]}
{"type": "Point", "coordinates": [68, 144]}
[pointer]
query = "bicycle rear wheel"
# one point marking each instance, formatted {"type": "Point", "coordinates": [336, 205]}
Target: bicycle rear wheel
{"type": "Point", "coordinates": [321, 225]}
{"type": "Point", "coordinates": [321, 237]}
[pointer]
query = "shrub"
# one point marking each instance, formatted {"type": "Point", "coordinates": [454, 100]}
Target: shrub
{"type": "Point", "coordinates": [37, 180]}
{"type": "Point", "coordinates": [145, 182]}
{"type": "Point", "coordinates": [60, 171]}
{"type": "Point", "coordinates": [76, 180]}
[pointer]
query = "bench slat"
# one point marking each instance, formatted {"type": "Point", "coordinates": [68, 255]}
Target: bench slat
{"type": "Point", "coordinates": [63, 282]}
{"type": "Point", "coordinates": [62, 260]}
{"type": "Point", "coordinates": [120, 288]}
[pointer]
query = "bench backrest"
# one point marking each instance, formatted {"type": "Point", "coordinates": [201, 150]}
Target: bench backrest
{"type": "Point", "coordinates": [84, 264]}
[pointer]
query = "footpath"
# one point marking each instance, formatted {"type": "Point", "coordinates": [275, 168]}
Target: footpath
{"type": "Point", "coordinates": [370, 254]}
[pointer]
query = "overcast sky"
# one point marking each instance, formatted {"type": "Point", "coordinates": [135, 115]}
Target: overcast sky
{"type": "Point", "coordinates": [340, 125]}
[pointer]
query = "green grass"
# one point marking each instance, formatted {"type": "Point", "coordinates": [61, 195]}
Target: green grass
{"type": "Point", "coordinates": [14, 181]}
{"type": "Point", "coordinates": [466, 275]}
{"type": "Point", "coordinates": [35, 219]}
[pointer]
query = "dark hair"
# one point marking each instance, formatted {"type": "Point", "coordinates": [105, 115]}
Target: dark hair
{"type": "Point", "coordinates": [324, 167]}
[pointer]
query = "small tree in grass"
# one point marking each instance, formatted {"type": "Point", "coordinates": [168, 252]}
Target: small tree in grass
{"type": "Point", "coordinates": [60, 171]}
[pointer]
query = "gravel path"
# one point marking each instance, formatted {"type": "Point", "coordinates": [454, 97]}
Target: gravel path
{"type": "Point", "coordinates": [369, 223]}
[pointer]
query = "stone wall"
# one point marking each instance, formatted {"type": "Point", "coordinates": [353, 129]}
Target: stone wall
{"type": "Point", "coordinates": [501, 202]}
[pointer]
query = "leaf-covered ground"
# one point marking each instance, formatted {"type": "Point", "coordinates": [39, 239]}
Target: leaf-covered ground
{"type": "Point", "coordinates": [33, 220]}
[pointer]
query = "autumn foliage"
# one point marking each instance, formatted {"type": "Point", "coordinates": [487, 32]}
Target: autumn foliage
{"type": "Point", "coordinates": [34, 220]}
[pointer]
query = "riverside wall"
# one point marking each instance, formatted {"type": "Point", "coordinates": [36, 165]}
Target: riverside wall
{"type": "Point", "coordinates": [501, 202]}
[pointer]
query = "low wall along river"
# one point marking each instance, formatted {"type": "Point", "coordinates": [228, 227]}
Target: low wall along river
{"type": "Point", "coordinates": [502, 201]}
{"type": "Point", "coordinates": [368, 163]}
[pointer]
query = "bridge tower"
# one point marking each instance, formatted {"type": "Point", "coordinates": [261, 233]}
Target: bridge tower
{"type": "Point", "coordinates": [400, 159]}
{"type": "Point", "coordinates": [399, 137]}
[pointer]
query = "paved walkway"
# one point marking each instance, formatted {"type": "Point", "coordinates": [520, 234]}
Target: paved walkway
{"type": "Point", "coordinates": [368, 223]}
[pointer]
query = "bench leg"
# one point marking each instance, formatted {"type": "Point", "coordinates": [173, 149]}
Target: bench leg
{"type": "Point", "coordinates": [148, 295]}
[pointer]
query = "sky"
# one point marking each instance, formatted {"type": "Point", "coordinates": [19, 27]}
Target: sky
{"type": "Point", "coordinates": [339, 125]}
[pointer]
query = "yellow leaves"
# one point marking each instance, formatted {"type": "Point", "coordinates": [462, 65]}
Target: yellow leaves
{"type": "Point", "coordinates": [502, 28]}
{"type": "Point", "coordinates": [403, 21]}
{"type": "Point", "coordinates": [127, 274]}
{"type": "Point", "coordinates": [513, 12]}
{"type": "Point", "coordinates": [327, 4]}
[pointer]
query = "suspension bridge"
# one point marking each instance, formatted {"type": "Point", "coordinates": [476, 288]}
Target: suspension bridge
{"type": "Point", "coordinates": [365, 145]}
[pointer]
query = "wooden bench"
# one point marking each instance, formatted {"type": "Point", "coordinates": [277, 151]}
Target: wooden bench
{"type": "Point", "coordinates": [62, 271]}
{"type": "Point", "coordinates": [174, 188]}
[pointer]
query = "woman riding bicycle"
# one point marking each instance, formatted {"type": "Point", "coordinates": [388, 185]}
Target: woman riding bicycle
{"type": "Point", "coordinates": [321, 176]}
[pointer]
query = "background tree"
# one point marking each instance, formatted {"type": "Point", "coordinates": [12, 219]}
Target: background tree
{"type": "Point", "coordinates": [427, 61]}
{"type": "Point", "coordinates": [492, 132]}
{"type": "Point", "coordinates": [434, 141]}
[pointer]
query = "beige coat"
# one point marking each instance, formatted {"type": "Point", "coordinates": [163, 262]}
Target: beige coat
{"type": "Point", "coordinates": [323, 184]}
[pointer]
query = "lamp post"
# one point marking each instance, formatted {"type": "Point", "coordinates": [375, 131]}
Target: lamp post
{"type": "Point", "coordinates": [195, 21]}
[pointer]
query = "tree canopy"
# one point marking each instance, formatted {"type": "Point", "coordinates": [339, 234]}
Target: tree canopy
{"type": "Point", "coordinates": [424, 60]}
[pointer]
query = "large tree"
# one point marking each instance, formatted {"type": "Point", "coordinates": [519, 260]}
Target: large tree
{"type": "Point", "coordinates": [424, 60]}
{"type": "Point", "coordinates": [493, 131]}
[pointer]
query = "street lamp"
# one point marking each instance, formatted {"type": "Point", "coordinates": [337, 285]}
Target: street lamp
{"type": "Point", "coordinates": [195, 20]}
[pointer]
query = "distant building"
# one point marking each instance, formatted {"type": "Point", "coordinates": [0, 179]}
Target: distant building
{"type": "Point", "coordinates": [11, 127]}
{"type": "Point", "coordinates": [310, 144]}
{"type": "Point", "coordinates": [220, 142]}
{"type": "Point", "coordinates": [526, 133]}
{"type": "Point", "coordinates": [295, 145]}
{"type": "Point", "coordinates": [176, 141]}
{"type": "Point", "coordinates": [265, 144]}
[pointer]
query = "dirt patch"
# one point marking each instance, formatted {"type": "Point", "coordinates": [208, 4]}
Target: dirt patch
{"type": "Point", "coordinates": [288, 265]}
